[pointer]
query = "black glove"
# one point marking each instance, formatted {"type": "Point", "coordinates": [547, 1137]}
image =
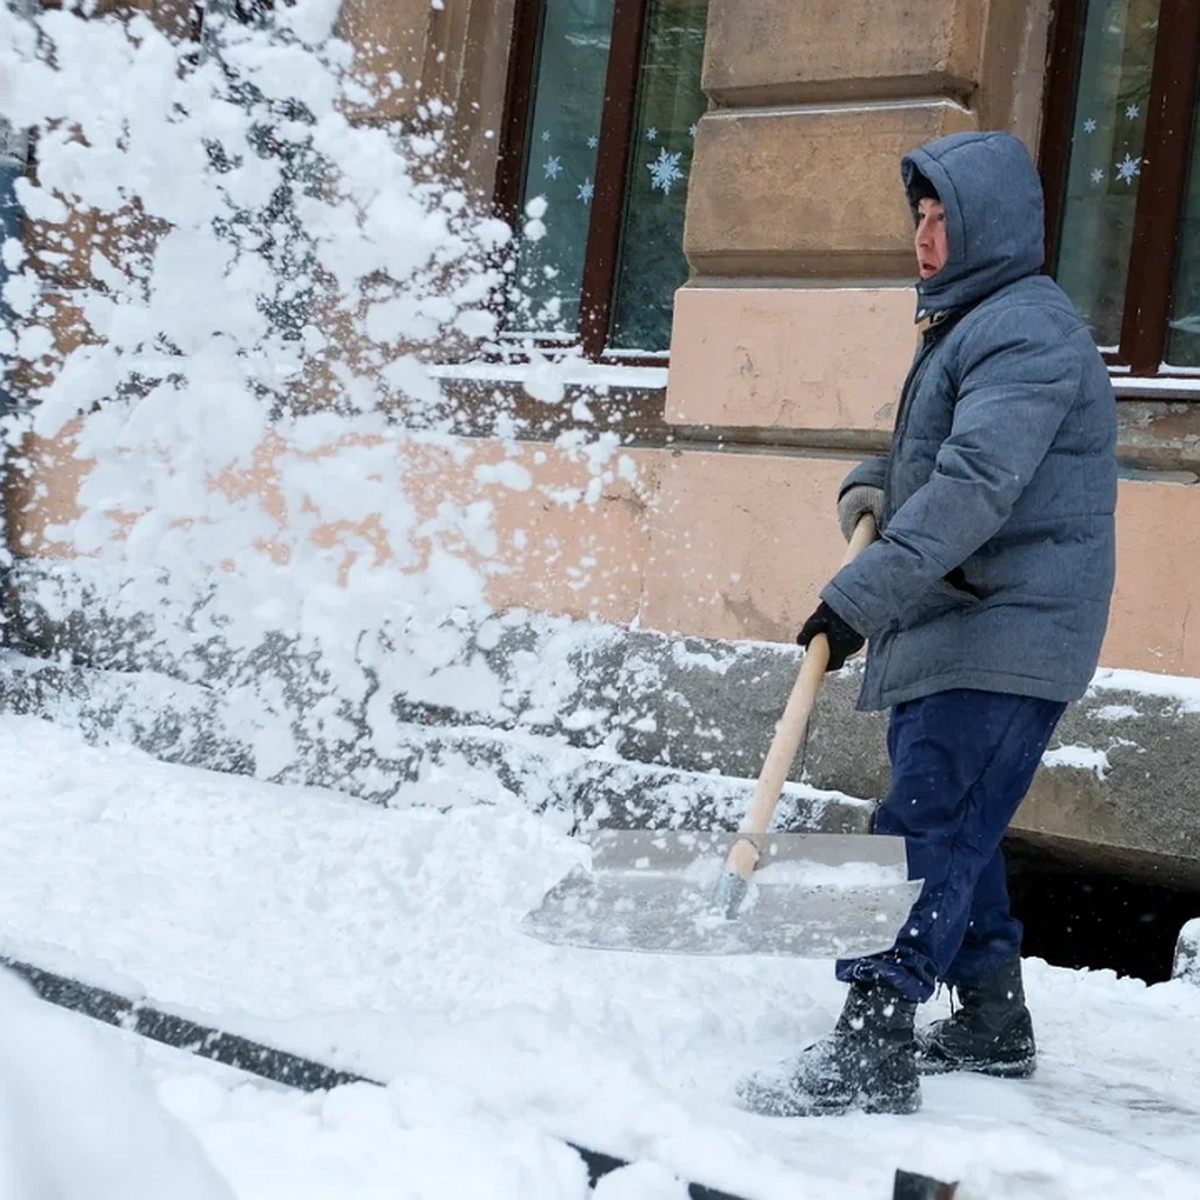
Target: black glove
{"type": "Point", "coordinates": [844, 639]}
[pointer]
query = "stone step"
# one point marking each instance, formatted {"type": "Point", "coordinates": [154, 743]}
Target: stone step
{"type": "Point", "coordinates": [427, 765]}
{"type": "Point", "coordinates": [1119, 792]}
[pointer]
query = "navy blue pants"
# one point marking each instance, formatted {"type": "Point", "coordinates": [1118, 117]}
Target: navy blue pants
{"type": "Point", "coordinates": [961, 764]}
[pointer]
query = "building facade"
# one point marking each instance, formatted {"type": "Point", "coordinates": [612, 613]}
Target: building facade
{"type": "Point", "coordinates": [794, 329]}
{"type": "Point", "coordinates": [725, 277]}
{"type": "Point", "coordinates": [730, 252]}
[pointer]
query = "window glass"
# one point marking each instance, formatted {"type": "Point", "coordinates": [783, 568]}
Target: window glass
{"type": "Point", "coordinates": [14, 147]}
{"type": "Point", "coordinates": [1183, 335]}
{"type": "Point", "coordinates": [560, 162]}
{"type": "Point", "coordinates": [273, 230]}
{"type": "Point", "coordinates": [1106, 160]}
{"type": "Point", "coordinates": [670, 103]}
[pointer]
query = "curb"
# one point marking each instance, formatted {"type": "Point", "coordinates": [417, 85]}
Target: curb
{"type": "Point", "coordinates": [267, 1062]}
{"type": "Point", "coordinates": [308, 1075]}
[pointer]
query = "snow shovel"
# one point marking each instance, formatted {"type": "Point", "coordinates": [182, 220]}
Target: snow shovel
{"type": "Point", "coordinates": [813, 895]}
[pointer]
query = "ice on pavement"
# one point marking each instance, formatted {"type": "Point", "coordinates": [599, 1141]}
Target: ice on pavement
{"type": "Point", "coordinates": [386, 941]}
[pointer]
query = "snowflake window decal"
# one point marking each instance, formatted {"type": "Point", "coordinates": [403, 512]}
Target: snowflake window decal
{"type": "Point", "coordinates": [587, 189]}
{"type": "Point", "coordinates": [1097, 176]}
{"type": "Point", "coordinates": [1129, 168]}
{"type": "Point", "coordinates": [1089, 126]}
{"type": "Point", "coordinates": [552, 167]}
{"type": "Point", "coordinates": [665, 172]}
{"type": "Point", "coordinates": [1133, 112]}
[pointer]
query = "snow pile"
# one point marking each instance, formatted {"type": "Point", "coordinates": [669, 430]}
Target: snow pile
{"type": "Point", "coordinates": [1082, 758]}
{"type": "Point", "coordinates": [364, 1143]}
{"type": "Point", "coordinates": [76, 1123]}
{"type": "Point", "coordinates": [1183, 689]}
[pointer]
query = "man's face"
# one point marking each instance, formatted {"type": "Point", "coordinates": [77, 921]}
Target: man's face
{"type": "Point", "coordinates": [932, 247]}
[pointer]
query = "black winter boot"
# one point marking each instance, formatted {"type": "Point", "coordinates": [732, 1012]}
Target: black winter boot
{"type": "Point", "coordinates": [992, 1033]}
{"type": "Point", "coordinates": [868, 1062]}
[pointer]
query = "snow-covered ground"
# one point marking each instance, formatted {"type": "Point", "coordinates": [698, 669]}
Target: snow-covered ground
{"type": "Point", "coordinates": [385, 941]}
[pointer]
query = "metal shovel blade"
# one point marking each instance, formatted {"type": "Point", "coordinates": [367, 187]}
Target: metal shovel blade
{"type": "Point", "coordinates": [813, 896]}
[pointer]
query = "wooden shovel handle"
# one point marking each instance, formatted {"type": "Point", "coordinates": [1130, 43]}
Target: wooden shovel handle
{"type": "Point", "coordinates": [790, 731]}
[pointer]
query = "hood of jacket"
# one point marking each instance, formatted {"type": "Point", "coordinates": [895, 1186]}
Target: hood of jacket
{"type": "Point", "coordinates": [995, 216]}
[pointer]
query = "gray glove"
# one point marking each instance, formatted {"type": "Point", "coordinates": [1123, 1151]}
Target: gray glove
{"type": "Point", "coordinates": [856, 500]}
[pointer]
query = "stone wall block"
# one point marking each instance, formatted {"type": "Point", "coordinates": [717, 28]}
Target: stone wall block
{"type": "Point", "coordinates": [778, 51]}
{"type": "Point", "coordinates": [808, 193]}
{"type": "Point", "coordinates": [391, 38]}
{"type": "Point", "coordinates": [811, 358]}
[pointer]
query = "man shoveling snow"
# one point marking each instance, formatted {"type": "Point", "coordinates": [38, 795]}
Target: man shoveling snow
{"type": "Point", "coordinates": [984, 604]}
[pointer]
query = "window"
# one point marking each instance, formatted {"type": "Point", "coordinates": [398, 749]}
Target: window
{"type": "Point", "coordinates": [275, 230]}
{"type": "Point", "coordinates": [1122, 165]}
{"type": "Point", "coordinates": [14, 154]}
{"type": "Point", "coordinates": [244, 12]}
{"type": "Point", "coordinates": [604, 99]}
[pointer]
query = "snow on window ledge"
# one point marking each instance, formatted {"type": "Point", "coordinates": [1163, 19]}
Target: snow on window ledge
{"type": "Point", "coordinates": [566, 373]}
{"type": "Point", "coordinates": [1185, 385]}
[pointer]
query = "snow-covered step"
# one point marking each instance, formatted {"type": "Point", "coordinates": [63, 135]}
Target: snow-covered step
{"type": "Point", "coordinates": [1119, 792]}
{"type": "Point", "coordinates": [404, 763]}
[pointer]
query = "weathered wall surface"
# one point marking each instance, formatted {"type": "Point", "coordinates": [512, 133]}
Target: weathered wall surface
{"type": "Point", "coordinates": [717, 544]}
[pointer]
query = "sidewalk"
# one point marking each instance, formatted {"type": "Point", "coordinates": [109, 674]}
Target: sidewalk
{"type": "Point", "coordinates": [384, 941]}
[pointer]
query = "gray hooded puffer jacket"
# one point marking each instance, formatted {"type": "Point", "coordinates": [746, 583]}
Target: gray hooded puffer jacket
{"type": "Point", "coordinates": [996, 564]}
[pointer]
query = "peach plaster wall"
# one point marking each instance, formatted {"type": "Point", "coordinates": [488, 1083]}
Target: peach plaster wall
{"type": "Point", "coordinates": [553, 552]}
{"type": "Point", "coordinates": [790, 357]}
{"type": "Point", "coordinates": [715, 544]}
{"type": "Point", "coordinates": [741, 543]}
